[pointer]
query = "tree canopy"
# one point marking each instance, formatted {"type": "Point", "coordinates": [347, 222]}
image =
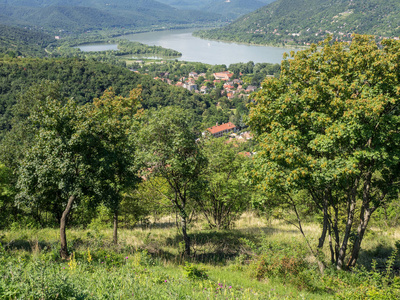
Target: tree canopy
{"type": "Point", "coordinates": [330, 126]}
{"type": "Point", "coordinates": [77, 152]}
{"type": "Point", "coordinates": [168, 149]}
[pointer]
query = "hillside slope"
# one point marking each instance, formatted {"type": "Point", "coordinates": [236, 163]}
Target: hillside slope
{"type": "Point", "coordinates": [230, 10]}
{"type": "Point", "coordinates": [306, 21]}
{"type": "Point", "coordinates": [17, 41]}
{"type": "Point", "coordinates": [82, 15]}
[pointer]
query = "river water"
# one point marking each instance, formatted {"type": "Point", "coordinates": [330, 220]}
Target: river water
{"type": "Point", "coordinates": [195, 49]}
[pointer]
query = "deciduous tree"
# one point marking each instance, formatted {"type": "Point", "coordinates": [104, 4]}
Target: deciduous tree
{"type": "Point", "coordinates": [223, 195]}
{"type": "Point", "coordinates": [115, 121]}
{"type": "Point", "coordinates": [168, 149]}
{"type": "Point", "coordinates": [77, 151]}
{"type": "Point", "coordinates": [330, 125]}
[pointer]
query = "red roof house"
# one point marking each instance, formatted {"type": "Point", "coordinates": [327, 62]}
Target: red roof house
{"type": "Point", "coordinates": [220, 130]}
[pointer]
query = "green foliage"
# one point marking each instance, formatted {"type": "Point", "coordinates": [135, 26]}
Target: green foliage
{"type": "Point", "coordinates": [144, 201]}
{"type": "Point", "coordinates": [101, 269]}
{"type": "Point", "coordinates": [83, 80]}
{"type": "Point", "coordinates": [373, 284]}
{"type": "Point", "coordinates": [331, 130]}
{"type": "Point", "coordinates": [7, 193]}
{"type": "Point", "coordinates": [79, 151]}
{"type": "Point", "coordinates": [223, 194]}
{"type": "Point", "coordinates": [128, 47]}
{"type": "Point", "coordinates": [167, 148]}
{"type": "Point", "coordinates": [194, 272]}
{"type": "Point", "coordinates": [78, 16]}
{"type": "Point", "coordinates": [309, 21]}
{"type": "Point", "coordinates": [229, 10]}
{"type": "Point", "coordinates": [280, 260]}
{"type": "Point", "coordinates": [23, 41]}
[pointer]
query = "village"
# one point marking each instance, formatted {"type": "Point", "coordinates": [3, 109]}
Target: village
{"type": "Point", "coordinates": [230, 87]}
{"type": "Point", "coordinates": [198, 83]}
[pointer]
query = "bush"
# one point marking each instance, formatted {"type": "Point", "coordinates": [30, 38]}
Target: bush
{"type": "Point", "coordinates": [194, 272]}
{"type": "Point", "coordinates": [284, 261]}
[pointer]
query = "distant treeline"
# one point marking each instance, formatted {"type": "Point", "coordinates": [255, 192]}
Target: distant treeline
{"type": "Point", "coordinates": [87, 79]}
{"type": "Point", "coordinates": [128, 47]}
{"type": "Point", "coordinates": [80, 16]}
{"type": "Point", "coordinates": [18, 41]}
{"type": "Point", "coordinates": [301, 22]}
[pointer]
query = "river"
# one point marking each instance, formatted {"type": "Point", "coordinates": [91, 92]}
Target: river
{"type": "Point", "coordinates": [195, 49]}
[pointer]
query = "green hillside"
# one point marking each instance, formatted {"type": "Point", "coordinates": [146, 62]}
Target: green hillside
{"type": "Point", "coordinates": [234, 8]}
{"type": "Point", "coordinates": [84, 80]}
{"type": "Point", "coordinates": [307, 21]}
{"type": "Point", "coordinates": [78, 16]}
{"type": "Point", "coordinates": [17, 41]}
{"type": "Point", "coordinates": [229, 10]}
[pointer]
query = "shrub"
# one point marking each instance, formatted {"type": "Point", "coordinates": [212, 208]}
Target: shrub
{"type": "Point", "coordinates": [194, 272]}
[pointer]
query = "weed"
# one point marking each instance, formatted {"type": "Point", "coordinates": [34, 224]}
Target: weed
{"type": "Point", "coordinates": [194, 272]}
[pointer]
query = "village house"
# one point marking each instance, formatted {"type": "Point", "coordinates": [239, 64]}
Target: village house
{"type": "Point", "coordinates": [204, 89]}
{"type": "Point", "coordinates": [190, 86]}
{"type": "Point", "coordinates": [226, 75]}
{"type": "Point", "coordinates": [230, 95]}
{"type": "Point", "coordinates": [250, 89]}
{"type": "Point", "coordinates": [229, 86]}
{"type": "Point", "coordinates": [220, 130]}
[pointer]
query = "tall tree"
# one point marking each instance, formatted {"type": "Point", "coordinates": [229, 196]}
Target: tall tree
{"type": "Point", "coordinates": [168, 149]}
{"type": "Point", "coordinates": [74, 154]}
{"type": "Point", "coordinates": [223, 194]}
{"type": "Point", "coordinates": [7, 193]}
{"type": "Point", "coordinates": [115, 125]}
{"type": "Point", "coordinates": [330, 125]}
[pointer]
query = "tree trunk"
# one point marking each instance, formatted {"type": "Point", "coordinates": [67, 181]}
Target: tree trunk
{"type": "Point", "coordinates": [351, 207]}
{"type": "Point", "coordinates": [335, 228]}
{"type": "Point", "coordinates": [186, 238]}
{"type": "Point", "coordinates": [63, 221]}
{"type": "Point", "coordinates": [365, 217]}
{"type": "Point", "coordinates": [321, 240]}
{"type": "Point", "coordinates": [115, 230]}
{"type": "Point", "coordinates": [331, 246]}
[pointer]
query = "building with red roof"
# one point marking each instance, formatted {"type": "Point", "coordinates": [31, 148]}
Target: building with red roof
{"type": "Point", "coordinates": [220, 130]}
{"type": "Point", "coordinates": [226, 75]}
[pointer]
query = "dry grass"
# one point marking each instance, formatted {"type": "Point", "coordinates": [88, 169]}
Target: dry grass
{"type": "Point", "coordinates": [164, 240]}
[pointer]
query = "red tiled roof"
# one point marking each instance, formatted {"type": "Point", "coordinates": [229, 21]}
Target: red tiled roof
{"type": "Point", "coordinates": [219, 128]}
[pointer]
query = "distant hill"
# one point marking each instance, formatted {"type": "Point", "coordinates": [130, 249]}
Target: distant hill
{"type": "Point", "coordinates": [307, 21]}
{"type": "Point", "coordinates": [81, 15]}
{"type": "Point", "coordinates": [17, 41]}
{"type": "Point", "coordinates": [234, 8]}
{"type": "Point", "coordinates": [229, 9]}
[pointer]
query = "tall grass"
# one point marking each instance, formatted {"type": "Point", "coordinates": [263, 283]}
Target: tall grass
{"type": "Point", "coordinates": [254, 260]}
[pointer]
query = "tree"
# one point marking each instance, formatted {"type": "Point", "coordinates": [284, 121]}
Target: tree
{"type": "Point", "coordinates": [75, 153]}
{"type": "Point", "coordinates": [7, 193]}
{"type": "Point", "coordinates": [168, 149]}
{"type": "Point", "coordinates": [224, 195]}
{"type": "Point", "coordinates": [62, 162]}
{"type": "Point", "coordinates": [115, 125]}
{"type": "Point", "coordinates": [20, 137]}
{"type": "Point", "coordinates": [330, 126]}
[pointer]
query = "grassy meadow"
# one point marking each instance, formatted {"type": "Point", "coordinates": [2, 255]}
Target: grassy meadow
{"type": "Point", "coordinates": [257, 259]}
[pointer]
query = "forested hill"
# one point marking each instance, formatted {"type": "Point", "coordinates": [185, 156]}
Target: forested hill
{"type": "Point", "coordinates": [17, 41]}
{"type": "Point", "coordinates": [84, 80]}
{"type": "Point", "coordinates": [230, 10]}
{"type": "Point", "coordinates": [82, 15]}
{"type": "Point", "coordinates": [306, 21]}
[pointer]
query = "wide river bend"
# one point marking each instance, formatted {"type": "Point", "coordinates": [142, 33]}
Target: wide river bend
{"type": "Point", "coordinates": [195, 49]}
